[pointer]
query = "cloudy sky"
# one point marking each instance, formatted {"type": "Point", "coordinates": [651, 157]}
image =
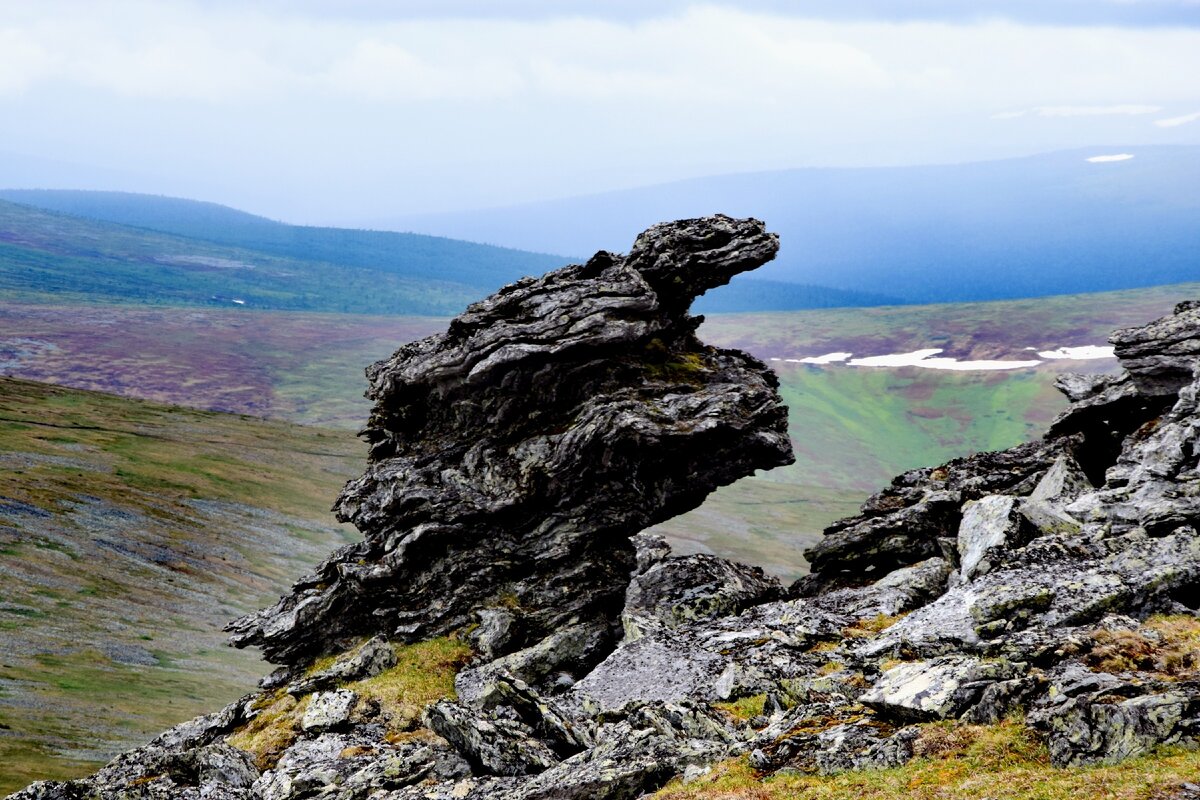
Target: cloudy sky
{"type": "Point", "coordinates": [341, 111]}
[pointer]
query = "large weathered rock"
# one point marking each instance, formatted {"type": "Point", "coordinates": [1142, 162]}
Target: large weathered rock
{"type": "Point", "coordinates": [513, 456]}
{"type": "Point", "coordinates": [1161, 356]}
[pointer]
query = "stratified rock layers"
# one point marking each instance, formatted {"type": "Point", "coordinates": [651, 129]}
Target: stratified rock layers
{"type": "Point", "coordinates": [513, 456]}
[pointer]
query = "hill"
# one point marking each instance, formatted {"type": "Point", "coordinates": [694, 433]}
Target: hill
{"type": "Point", "coordinates": [130, 532]}
{"type": "Point", "coordinates": [1049, 224]}
{"type": "Point", "coordinates": [409, 255]}
{"type": "Point", "coordinates": [48, 255]}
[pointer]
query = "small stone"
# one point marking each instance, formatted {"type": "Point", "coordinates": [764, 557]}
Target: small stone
{"type": "Point", "coordinates": [328, 710]}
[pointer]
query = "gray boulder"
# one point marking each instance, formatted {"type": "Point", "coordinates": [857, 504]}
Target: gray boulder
{"type": "Point", "coordinates": [943, 688]}
{"type": "Point", "coordinates": [1094, 729]}
{"type": "Point", "coordinates": [684, 589]}
{"type": "Point", "coordinates": [328, 710]}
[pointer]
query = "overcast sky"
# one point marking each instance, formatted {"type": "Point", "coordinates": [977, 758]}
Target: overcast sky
{"type": "Point", "coordinates": [340, 111]}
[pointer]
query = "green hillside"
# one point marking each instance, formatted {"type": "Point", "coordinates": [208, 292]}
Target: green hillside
{"type": "Point", "coordinates": [48, 256]}
{"type": "Point", "coordinates": [131, 532]}
{"type": "Point", "coordinates": [408, 255]}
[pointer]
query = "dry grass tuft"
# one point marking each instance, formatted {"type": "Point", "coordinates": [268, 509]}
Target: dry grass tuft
{"type": "Point", "coordinates": [1173, 652]}
{"type": "Point", "coordinates": [743, 709]}
{"type": "Point", "coordinates": [872, 626]}
{"type": "Point", "coordinates": [424, 673]}
{"type": "Point", "coordinates": [273, 730]}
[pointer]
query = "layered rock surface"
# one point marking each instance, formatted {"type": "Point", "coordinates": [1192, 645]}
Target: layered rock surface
{"type": "Point", "coordinates": [514, 457]}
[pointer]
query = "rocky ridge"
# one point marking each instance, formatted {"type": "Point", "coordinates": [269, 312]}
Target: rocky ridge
{"type": "Point", "coordinates": [514, 461]}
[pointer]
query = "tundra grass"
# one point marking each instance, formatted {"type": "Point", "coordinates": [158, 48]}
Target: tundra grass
{"type": "Point", "coordinates": [1003, 762]}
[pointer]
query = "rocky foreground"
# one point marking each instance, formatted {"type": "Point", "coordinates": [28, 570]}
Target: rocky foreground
{"type": "Point", "coordinates": [504, 631]}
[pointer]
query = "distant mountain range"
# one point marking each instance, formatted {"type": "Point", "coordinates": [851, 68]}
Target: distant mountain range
{"type": "Point", "coordinates": [1049, 224]}
{"type": "Point", "coordinates": [1077, 221]}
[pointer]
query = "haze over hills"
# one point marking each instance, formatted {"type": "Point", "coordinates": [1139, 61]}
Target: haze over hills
{"type": "Point", "coordinates": [1075, 221]}
{"type": "Point", "coordinates": [399, 265]}
{"type": "Point", "coordinates": [162, 250]}
{"type": "Point", "coordinates": [1047, 224]}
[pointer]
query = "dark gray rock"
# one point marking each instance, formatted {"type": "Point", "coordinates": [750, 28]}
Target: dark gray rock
{"type": "Point", "coordinates": [990, 526]}
{"type": "Point", "coordinates": [682, 589]}
{"type": "Point", "coordinates": [351, 767]}
{"type": "Point", "coordinates": [475, 497]}
{"type": "Point", "coordinates": [328, 710]}
{"type": "Point", "coordinates": [1161, 356]}
{"type": "Point", "coordinates": [917, 517]}
{"type": "Point", "coordinates": [897, 592]}
{"type": "Point", "coordinates": [1095, 729]}
{"type": "Point", "coordinates": [1062, 483]}
{"type": "Point", "coordinates": [493, 745]}
{"type": "Point", "coordinates": [943, 688]}
{"type": "Point", "coordinates": [498, 628]}
{"type": "Point", "coordinates": [568, 654]}
{"type": "Point", "coordinates": [712, 660]}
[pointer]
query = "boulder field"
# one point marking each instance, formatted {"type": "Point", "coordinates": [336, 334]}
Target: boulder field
{"type": "Point", "coordinates": [505, 630]}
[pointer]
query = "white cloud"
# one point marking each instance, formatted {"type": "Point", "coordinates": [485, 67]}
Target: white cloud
{"type": "Point", "coordinates": [23, 61]}
{"type": "Point", "coordinates": [552, 104]}
{"type": "Point", "coordinates": [1095, 111]}
{"type": "Point", "coordinates": [1174, 122]}
{"type": "Point", "coordinates": [1113, 157]}
{"type": "Point", "coordinates": [389, 71]}
{"type": "Point", "coordinates": [1080, 111]}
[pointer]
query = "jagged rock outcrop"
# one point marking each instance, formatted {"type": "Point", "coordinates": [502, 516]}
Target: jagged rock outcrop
{"type": "Point", "coordinates": [1059, 579]}
{"type": "Point", "coordinates": [513, 456]}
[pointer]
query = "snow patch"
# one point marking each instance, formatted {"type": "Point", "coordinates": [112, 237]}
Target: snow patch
{"type": "Point", "coordinates": [828, 358]}
{"type": "Point", "coordinates": [1113, 157]}
{"type": "Point", "coordinates": [925, 360]}
{"type": "Point", "coordinates": [1079, 353]}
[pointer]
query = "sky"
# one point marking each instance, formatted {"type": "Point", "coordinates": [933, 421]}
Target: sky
{"type": "Point", "coordinates": [340, 112]}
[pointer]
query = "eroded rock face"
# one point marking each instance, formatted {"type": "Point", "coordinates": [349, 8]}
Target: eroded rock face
{"type": "Point", "coordinates": [1016, 582]}
{"type": "Point", "coordinates": [513, 456]}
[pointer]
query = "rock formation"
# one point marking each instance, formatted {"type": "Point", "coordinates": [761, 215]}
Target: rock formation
{"type": "Point", "coordinates": [513, 456]}
{"type": "Point", "coordinates": [513, 461]}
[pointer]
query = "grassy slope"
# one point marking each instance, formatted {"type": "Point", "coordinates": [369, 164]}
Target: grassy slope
{"type": "Point", "coordinates": [57, 257]}
{"type": "Point", "coordinates": [129, 534]}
